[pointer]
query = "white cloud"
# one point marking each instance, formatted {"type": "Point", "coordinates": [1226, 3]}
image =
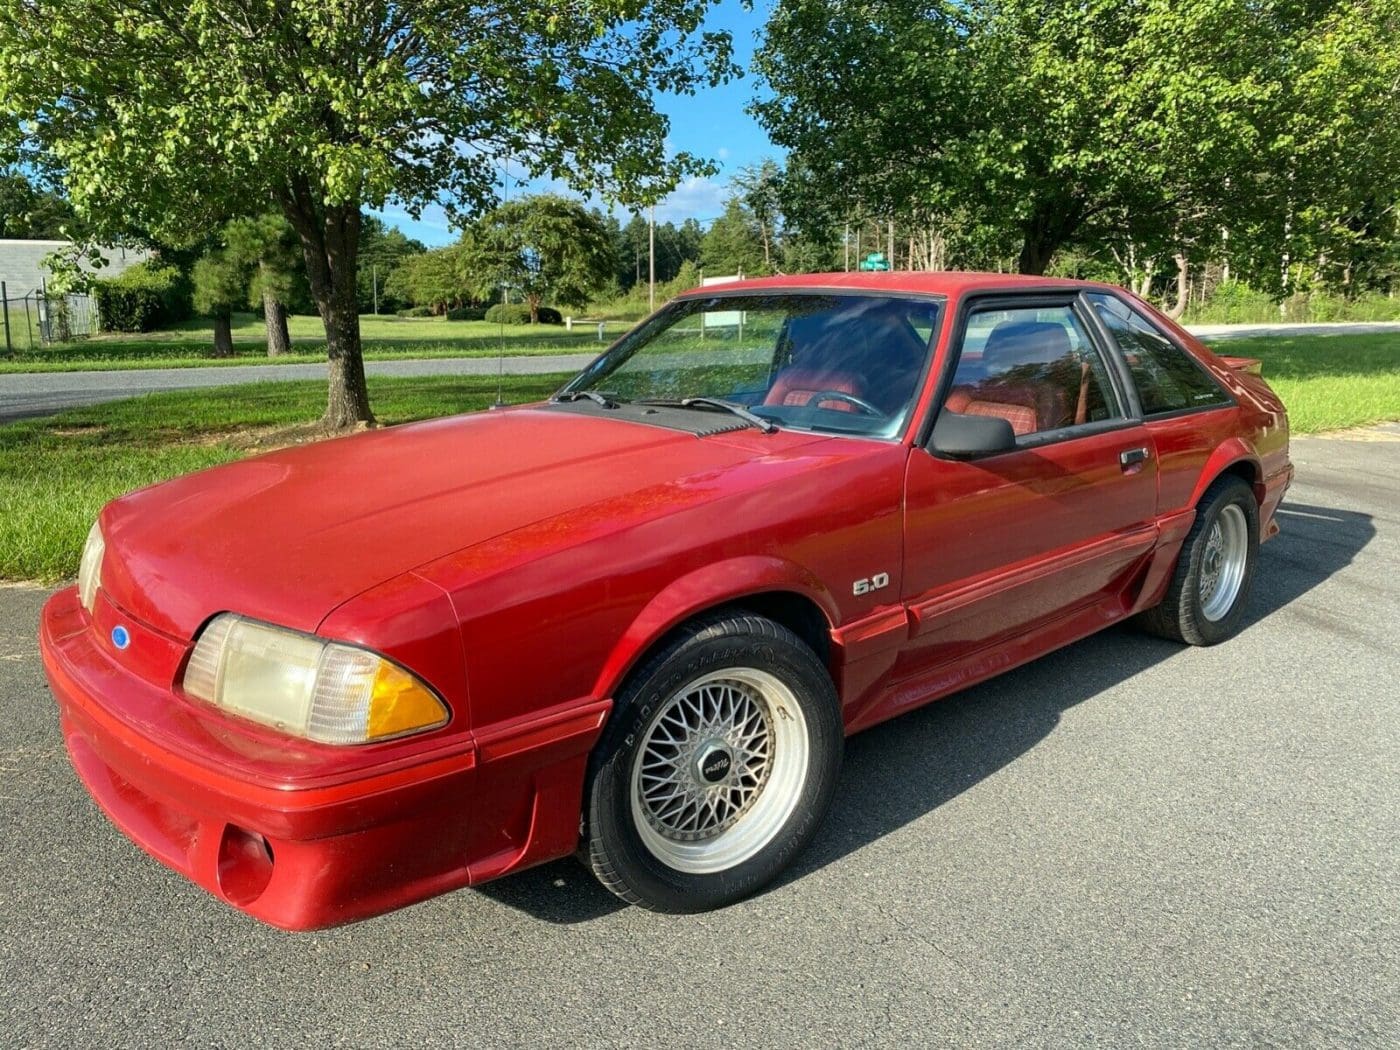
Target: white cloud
{"type": "Point", "coordinates": [722, 153]}
{"type": "Point", "coordinates": [694, 198]}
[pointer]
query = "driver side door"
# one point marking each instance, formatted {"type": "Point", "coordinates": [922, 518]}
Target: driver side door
{"type": "Point", "coordinates": [1013, 553]}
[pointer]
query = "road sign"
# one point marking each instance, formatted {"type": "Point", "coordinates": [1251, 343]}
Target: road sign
{"type": "Point", "coordinates": [875, 261]}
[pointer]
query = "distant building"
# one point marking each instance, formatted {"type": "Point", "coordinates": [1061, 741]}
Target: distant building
{"type": "Point", "coordinates": [22, 263]}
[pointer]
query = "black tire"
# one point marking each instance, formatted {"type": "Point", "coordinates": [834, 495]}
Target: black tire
{"type": "Point", "coordinates": [616, 849]}
{"type": "Point", "coordinates": [1181, 615]}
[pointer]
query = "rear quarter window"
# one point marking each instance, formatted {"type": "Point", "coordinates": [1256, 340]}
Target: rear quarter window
{"type": "Point", "coordinates": [1167, 378]}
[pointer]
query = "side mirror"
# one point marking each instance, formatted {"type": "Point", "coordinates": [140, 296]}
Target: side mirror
{"type": "Point", "coordinates": [955, 434]}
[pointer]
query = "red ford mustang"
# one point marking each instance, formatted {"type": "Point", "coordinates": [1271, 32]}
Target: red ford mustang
{"type": "Point", "coordinates": [637, 621]}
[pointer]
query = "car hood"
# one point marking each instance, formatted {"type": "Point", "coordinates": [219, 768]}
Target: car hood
{"type": "Point", "coordinates": [288, 536]}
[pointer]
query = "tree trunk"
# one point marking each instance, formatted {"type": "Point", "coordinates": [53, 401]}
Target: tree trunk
{"type": "Point", "coordinates": [279, 340]}
{"type": "Point", "coordinates": [1035, 255]}
{"type": "Point", "coordinates": [1052, 223]}
{"type": "Point", "coordinates": [1183, 287]}
{"type": "Point", "coordinates": [330, 243]}
{"type": "Point", "coordinates": [1144, 288]}
{"type": "Point", "coordinates": [223, 336]}
{"type": "Point", "coordinates": [534, 301]}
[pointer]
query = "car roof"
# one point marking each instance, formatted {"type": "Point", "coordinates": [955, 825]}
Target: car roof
{"type": "Point", "coordinates": [941, 282]}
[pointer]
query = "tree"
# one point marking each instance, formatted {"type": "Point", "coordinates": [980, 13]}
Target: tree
{"type": "Point", "coordinates": [30, 212]}
{"type": "Point", "coordinates": [382, 248]}
{"type": "Point", "coordinates": [1036, 115]}
{"type": "Point", "coordinates": [542, 247]}
{"type": "Point", "coordinates": [173, 115]}
{"type": "Point", "coordinates": [267, 246]}
{"type": "Point", "coordinates": [758, 187]}
{"type": "Point", "coordinates": [733, 243]}
{"type": "Point", "coordinates": [433, 279]}
{"type": "Point", "coordinates": [220, 284]}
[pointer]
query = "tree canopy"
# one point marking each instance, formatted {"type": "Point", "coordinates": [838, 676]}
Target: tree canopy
{"type": "Point", "coordinates": [177, 115]}
{"type": "Point", "coordinates": [539, 247]}
{"type": "Point", "coordinates": [31, 212]}
{"type": "Point", "coordinates": [734, 242]}
{"type": "Point", "coordinates": [1158, 122]}
{"type": "Point", "coordinates": [434, 279]}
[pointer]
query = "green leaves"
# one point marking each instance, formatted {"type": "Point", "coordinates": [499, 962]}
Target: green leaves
{"type": "Point", "coordinates": [540, 247]}
{"type": "Point", "coordinates": [1156, 122]}
{"type": "Point", "coordinates": [173, 116]}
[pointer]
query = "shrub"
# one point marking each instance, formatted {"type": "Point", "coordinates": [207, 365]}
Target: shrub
{"type": "Point", "coordinates": [519, 313]}
{"type": "Point", "coordinates": [467, 313]}
{"type": "Point", "coordinates": [417, 311]}
{"type": "Point", "coordinates": [143, 297]}
{"type": "Point", "coordinates": [508, 313]}
{"type": "Point", "coordinates": [1234, 302]}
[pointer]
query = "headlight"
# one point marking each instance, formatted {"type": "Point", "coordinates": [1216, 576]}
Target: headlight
{"type": "Point", "coordinates": [303, 685]}
{"type": "Point", "coordinates": [90, 568]}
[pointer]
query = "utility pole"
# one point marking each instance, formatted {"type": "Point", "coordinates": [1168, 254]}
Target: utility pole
{"type": "Point", "coordinates": [846, 246]}
{"type": "Point", "coordinates": [374, 281]}
{"type": "Point", "coordinates": [651, 260]}
{"type": "Point", "coordinates": [891, 254]}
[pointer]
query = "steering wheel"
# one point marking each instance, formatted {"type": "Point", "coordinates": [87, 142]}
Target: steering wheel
{"type": "Point", "coordinates": [862, 406]}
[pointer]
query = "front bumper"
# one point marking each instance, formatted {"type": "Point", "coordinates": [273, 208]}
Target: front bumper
{"type": "Point", "coordinates": [282, 839]}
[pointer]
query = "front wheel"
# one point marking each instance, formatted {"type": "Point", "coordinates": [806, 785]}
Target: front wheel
{"type": "Point", "coordinates": [716, 768]}
{"type": "Point", "coordinates": [1205, 601]}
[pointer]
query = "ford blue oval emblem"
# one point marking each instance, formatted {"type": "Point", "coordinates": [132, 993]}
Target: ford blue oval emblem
{"type": "Point", "coordinates": [121, 637]}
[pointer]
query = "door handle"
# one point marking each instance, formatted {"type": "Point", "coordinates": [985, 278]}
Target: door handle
{"type": "Point", "coordinates": [1131, 458]}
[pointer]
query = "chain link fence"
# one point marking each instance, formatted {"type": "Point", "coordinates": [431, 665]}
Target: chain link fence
{"type": "Point", "coordinates": [38, 319]}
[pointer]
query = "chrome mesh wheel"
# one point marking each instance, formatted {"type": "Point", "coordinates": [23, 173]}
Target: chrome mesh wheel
{"type": "Point", "coordinates": [1223, 562]}
{"type": "Point", "coordinates": [719, 769]}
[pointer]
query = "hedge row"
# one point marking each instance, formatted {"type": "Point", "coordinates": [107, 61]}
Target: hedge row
{"type": "Point", "coordinates": [145, 297]}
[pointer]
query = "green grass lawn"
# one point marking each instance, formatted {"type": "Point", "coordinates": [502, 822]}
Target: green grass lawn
{"type": "Point", "coordinates": [384, 338]}
{"type": "Point", "coordinates": [57, 472]}
{"type": "Point", "coordinates": [1329, 382]}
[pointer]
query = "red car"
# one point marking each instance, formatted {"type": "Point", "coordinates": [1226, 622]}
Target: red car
{"type": "Point", "coordinates": [636, 621]}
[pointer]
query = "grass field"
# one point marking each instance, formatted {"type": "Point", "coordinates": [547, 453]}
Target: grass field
{"type": "Point", "coordinates": [1329, 382]}
{"type": "Point", "coordinates": [384, 338]}
{"type": "Point", "coordinates": [57, 472]}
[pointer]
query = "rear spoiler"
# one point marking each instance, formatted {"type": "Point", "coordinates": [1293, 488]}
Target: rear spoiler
{"type": "Point", "coordinates": [1251, 365]}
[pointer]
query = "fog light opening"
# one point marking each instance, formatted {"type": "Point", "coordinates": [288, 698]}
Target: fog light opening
{"type": "Point", "coordinates": [245, 865]}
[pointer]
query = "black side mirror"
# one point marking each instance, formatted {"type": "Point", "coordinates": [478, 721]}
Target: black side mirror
{"type": "Point", "coordinates": [955, 434]}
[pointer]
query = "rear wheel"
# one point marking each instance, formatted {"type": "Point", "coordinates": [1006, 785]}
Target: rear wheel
{"type": "Point", "coordinates": [1206, 599]}
{"type": "Point", "coordinates": [716, 767]}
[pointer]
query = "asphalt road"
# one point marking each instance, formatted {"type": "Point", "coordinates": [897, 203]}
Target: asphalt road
{"type": "Point", "coordinates": [39, 393]}
{"type": "Point", "coordinates": [27, 394]}
{"type": "Point", "coordinates": [1125, 843]}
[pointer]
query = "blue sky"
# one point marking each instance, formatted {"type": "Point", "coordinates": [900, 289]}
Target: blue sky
{"type": "Point", "coordinates": [711, 124]}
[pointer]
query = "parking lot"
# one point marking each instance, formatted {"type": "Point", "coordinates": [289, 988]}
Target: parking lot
{"type": "Point", "coordinates": [1127, 842]}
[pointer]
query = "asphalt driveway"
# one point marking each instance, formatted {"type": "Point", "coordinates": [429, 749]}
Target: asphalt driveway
{"type": "Point", "coordinates": [1126, 842]}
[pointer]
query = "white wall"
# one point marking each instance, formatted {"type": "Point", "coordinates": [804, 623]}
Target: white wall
{"type": "Point", "coordinates": [22, 263]}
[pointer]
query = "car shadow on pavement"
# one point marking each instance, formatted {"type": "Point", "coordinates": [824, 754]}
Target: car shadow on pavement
{"type": "Point", "coordinates": [902, 770]}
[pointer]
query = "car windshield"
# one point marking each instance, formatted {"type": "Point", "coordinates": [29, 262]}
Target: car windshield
{"type": "Point", "coordinates": [846, 364]}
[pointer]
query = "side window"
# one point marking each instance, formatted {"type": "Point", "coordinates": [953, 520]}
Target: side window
{"type": "Point", "coordinates": [1034, 367]}
{"type": "Point", "coordinates": [1166, 378]}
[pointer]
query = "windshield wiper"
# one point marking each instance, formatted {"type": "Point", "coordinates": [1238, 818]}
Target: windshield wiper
{"type": "Point", "coordinates": [752, 418]}
{"type": "Point", "coordinates": [592, 395]}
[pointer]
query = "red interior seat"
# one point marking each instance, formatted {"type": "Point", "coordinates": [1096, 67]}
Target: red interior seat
{"type": "Point", "coordinates": [798, 385]}
{"type": "Point", "coordinates": [1019, 356]}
